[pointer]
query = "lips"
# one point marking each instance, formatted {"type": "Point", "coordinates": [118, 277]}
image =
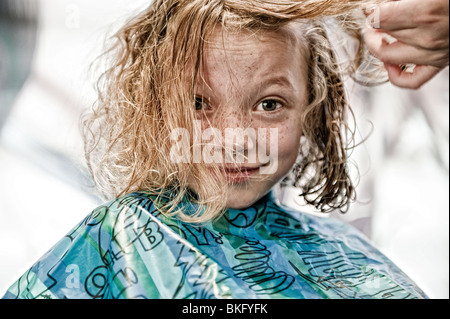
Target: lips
{"type": "Point", "coordinates": [237, 175]}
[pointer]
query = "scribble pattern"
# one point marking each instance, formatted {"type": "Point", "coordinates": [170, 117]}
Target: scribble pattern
{"type": "Point", "coordinates": [128, 249]}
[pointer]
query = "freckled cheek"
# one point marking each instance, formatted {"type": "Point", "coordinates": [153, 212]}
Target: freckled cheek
{"type": "Point", "coordinates": [288, 147]}
{"type": "Point", "coordinates": [289, 140]}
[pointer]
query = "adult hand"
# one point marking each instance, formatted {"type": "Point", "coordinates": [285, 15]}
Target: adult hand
{"type": "Point", "coordinates": [421, 29]}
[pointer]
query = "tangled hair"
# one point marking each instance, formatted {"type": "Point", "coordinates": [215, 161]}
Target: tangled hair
{"type": "Point", "coordinates": [143, 96]}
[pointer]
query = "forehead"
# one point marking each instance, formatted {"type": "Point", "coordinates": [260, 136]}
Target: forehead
{"type": "Point", "coordinates": [257, 52]}
{"type": "Point", "coordinates": [229, 39]}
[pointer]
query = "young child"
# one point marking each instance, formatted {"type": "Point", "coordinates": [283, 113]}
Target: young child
{"type": "Point", "coordinates": [208, 106]}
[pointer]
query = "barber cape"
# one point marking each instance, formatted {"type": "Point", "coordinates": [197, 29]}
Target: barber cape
{"type": "Point", "coordinates": [129, 249]}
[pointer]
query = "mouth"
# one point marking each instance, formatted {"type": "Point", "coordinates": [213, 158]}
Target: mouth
{"type": "Point", "coordinates": [236, 175]}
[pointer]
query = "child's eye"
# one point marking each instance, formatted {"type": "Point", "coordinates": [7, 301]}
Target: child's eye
{"type": "Point", "coordinates": [268, 106]}
{"type": "Point", "coordinates": [200, 103]}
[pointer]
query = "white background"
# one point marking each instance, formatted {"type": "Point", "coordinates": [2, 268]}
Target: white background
{"type": "Point", "coordinates": [43, 192]}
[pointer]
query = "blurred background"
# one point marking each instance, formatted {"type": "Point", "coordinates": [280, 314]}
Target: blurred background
{"type": "Point", "coordinates": [46, 48]}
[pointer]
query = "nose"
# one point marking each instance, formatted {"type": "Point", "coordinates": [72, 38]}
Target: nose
{"type": "Point", "coordinates": [238, 136]}
{"type": "Point", "coordinates": [230, 117]}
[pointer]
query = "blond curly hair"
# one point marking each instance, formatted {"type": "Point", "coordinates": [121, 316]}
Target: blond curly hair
{"type": "Point", "coordinates": [143, 96]}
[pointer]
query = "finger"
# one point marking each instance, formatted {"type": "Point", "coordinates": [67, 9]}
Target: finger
{"type": "Point", "coordinates": [430, 40]}
{"type": "Point", "coordinates": [399, 52]}
{"type": "Point", "coordinates": [394, 15]}
{"type": "Point", "coordinates": [421, 75]}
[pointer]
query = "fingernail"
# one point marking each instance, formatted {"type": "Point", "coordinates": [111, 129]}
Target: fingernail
{"type": "Point", "coordinates": [373, 16]}
{"type": "Point", "coordinates": [389, 39]}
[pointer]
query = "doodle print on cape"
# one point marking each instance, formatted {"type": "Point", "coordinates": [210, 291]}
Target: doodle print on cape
{"type": "Point", "coordinates": [128, 249]}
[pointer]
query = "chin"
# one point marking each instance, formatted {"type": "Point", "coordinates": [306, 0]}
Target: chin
{"type": "Point", "coordinates": [238, 199]}
{"type": "Point", "coordinates": [241, 206]}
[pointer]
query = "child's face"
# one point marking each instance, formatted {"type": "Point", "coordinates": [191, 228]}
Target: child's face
{"type": "Point", "coordinates": [256, 81]}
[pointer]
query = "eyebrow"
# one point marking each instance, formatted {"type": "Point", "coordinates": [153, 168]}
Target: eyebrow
{"type": "Point", "coordinates": [280, 80]}
{"type": "Point", "coordinates": [277, 80]}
